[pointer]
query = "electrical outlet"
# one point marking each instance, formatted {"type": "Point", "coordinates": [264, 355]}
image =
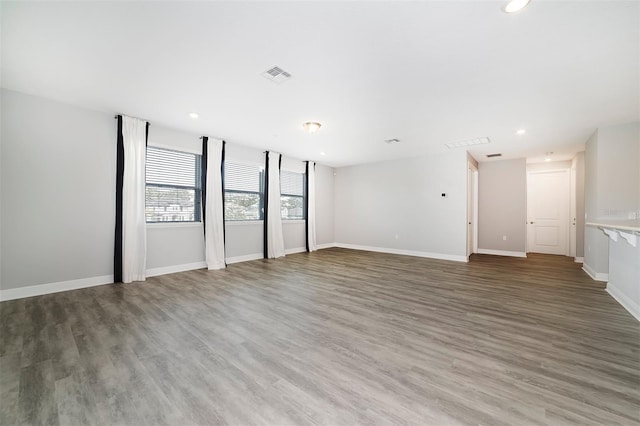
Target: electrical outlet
{"type": "Point", "coordinates": [504, 238]}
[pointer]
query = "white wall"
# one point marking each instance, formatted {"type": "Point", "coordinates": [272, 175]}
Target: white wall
{"type": "Point", "coordinates": [580, 208]}
{"type": "Point", "coordinates": [57, 211]}
{"type": "Point", "coordinates": [58, 191]}
{"type": "Point", "coordinates": [612, 187]}
{"type": "Point", "coordinates": [619, 171]}
{"type": "Point", "coordinates": [396, 206]}
{"type": "Point", "coordinates": [502, 206]}
{"type": "Point", "coordinates": [325, 185]}
{"type": "Point", "coordinates": [596, 244]}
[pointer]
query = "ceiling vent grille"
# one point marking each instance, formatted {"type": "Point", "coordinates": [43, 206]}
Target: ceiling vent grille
{"type": "Point", "coordinates": [469, 142]}
{"type": "Point", "coordinates": [392, 141]}
{"type": "Point", "coordinates": [494, 155]}
{"type": "Point", "coordinates": [277, 75]}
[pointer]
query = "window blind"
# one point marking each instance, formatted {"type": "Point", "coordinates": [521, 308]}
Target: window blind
{"type": "Point", "coordinates": [173, 181]}
{"type": "Point", "coordinates": [172, 168]}
{"type": "Point", "coordinates": [242, 177]}
{"type": "Point", "coordinates": [291, 183]}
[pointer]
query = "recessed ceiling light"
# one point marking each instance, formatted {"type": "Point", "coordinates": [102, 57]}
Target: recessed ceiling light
{"type": "Point", "coordinates": [547, 159]}
{"type": "Point", "coordinates": [194, 115]}
{"type": "Point", "coordinates": [311, 126]}
{"type": "Point", "coordinates": [515, 5]}
{"type": "Point", "coordinates": [521, 132]}
{"type": "Point", "coordinates": [322, 153]}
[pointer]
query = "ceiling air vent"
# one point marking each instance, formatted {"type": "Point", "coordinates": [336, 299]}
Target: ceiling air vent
{"type": "Point", "coordinates": [277, 75]}
{"type": "Point", "coordinates": [468, 142]}
{"type": "Point", "coordinates": [493, 155]}
{"type": "Point", "coordinates": [392, 141]}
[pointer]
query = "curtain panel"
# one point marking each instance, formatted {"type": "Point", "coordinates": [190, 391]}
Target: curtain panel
{"type": "Point", "coordinates": [273, 237]}
{"type": "Point", "coordinates": [310, 206]}
{"type": "Point", "coordinates": [213, 202]}
{"type": "Point", "coordinates": [130, 254]}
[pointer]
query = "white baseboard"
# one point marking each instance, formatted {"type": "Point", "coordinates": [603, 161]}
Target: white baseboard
{"type": "Point", "coordinates": [325, 246]}
{"type": "Point", "coordinates": [579, 260]}
{"type": "Point", "coordinates": [441, 256]}
{"type": "Point", "coordinates": [597, 276]}
{"type": "Point", "coordinates": [624, 300]}
{"type": "Point", "coordinates": [37, 290]}
{"type": "Point", "coordinates": [154, 272]}
{"type": "Point", "coordinates": [502, 252]}
{"type": "Point", "coordinates": [244, 258]}
{"type": "Point", "coordinates": [295, 250]}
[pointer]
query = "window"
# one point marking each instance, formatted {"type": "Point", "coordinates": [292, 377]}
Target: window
{"type": "Point", "coordinates": [292, 195]}
{"type": "Point", "coordinates": [173, 186]}
{"type": "Point", "coordinates": [243, 191]}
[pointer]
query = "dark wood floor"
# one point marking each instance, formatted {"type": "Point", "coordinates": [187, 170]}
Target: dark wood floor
{"type": "Point", "coordinates": [336, 337]}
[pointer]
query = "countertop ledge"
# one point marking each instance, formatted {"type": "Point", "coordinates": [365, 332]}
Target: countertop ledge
{"type": "Point", "coordinates": [623, 225]}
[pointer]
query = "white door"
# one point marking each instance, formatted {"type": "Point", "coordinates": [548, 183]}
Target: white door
{"type": "Point", "coordinates": [548, 198]}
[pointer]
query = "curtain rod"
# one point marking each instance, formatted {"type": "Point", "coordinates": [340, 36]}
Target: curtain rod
{"type": "Point", "coordinates": [115, 117]}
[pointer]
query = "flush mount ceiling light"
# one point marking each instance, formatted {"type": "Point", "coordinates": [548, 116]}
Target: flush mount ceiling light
{"type": "Point", "coordinates": [521, 132]}
{"type": "Point", "coordinates": [194, 115]}
{"type": "Point", "coordinates": [515, 5]}
{"type": "Point", "coordinates": [311, 126]}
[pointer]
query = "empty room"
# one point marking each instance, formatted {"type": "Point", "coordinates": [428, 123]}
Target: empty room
{"type": "Point", "coordinates": [320, 213]}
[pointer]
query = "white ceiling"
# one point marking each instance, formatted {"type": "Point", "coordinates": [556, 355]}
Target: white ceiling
{"type": "Point", "coordinates": [427, 73]}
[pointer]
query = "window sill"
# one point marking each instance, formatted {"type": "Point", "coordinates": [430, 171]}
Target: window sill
{"type": "Point", "coordinates": [292, 221]}
{"type": "Point", "coordinates": [260, 222]}
{"type": "Point", "coordinates": [174, 224]}
{"type": "Point", "coordinates": [243, 222]}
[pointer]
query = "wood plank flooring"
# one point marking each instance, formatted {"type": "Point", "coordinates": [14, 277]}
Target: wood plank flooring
{"type": "Point", "coordinates": [336, 337]}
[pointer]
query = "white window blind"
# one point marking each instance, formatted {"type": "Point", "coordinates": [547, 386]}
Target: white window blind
{"type": "Point", "coordinates": [291, 195]}
{"type": "Point", "coordinates": [243, 191]}
{"type": "Point", "coordinates": [242, 177]}
{"type": "Point", "coordinates": [291, 183]}
{"type": "Point", "coordinates": [173, 186]}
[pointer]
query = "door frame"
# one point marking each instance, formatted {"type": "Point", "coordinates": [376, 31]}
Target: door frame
{"type": "Point", "coordinates": [472, 193]}
{"type": "Point", "coordinates": [571, 237]}
{"type": "Point", "coordinates": [573, 210]}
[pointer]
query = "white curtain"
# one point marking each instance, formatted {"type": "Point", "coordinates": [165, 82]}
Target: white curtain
{"type": "Point", "coordinates": [214, 206]}
{"type": "Point", "coordinates": [275, 240]}
{"type": "Point", "coordinates": [134, 227]}
{"type": "Point", "coordinates": [311, 207]}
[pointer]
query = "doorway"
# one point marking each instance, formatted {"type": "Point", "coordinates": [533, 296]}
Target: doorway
{"type": "Point", "coordinates": [548, 212]}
